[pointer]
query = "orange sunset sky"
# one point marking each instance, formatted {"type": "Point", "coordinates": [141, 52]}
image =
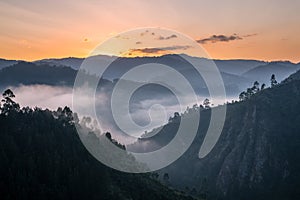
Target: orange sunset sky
{"type": "Point", "coordinates": [256, 29]}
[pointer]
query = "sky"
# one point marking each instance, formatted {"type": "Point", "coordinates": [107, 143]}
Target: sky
{"type": "Point", "coordinates": [256, 29]}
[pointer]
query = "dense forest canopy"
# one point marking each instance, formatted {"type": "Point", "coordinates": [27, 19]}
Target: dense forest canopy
{"type": "Point", "coordinates": [42, 157]}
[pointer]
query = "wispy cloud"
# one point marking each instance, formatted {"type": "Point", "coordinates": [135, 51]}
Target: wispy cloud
{"type": "Point", "coordinates": [144, 33]}
{"type": "Point", "coordinates": [167, 38]}
{"type": "Point", "coordinates": [220, 38]}
{"type": "Point", "coordinates": [250, 35]}
{"type": "Point", "coordinates": [161, 49]}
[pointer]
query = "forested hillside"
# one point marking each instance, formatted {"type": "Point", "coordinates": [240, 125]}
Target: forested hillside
{"type": "Point", "coordinates": [257, 155]}
{"type": "Point", "coordinates": [42, 157]}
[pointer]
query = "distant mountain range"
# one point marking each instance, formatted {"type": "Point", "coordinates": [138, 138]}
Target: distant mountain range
{"type": "Point", "coordinates": [6, 63]}
{"type": "Point", "coordinates": [237, 74]}
{"type": "Point", "coordinates": [281, 69]}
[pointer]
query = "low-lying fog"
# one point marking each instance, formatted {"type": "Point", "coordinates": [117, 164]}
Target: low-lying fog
{"type": "Point", "coordinates": [146, 113]}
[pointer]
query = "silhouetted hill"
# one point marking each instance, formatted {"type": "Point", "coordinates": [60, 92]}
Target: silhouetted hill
{"type": "Point", "coordinates": [29, 73]}
{"type": "Point", "coordinates": [293, 77]}
{"type": "Point", "coordinates": [72, 62]}
{"type": "Point", "coordinates": [237, 74]}
{"type": "Point", "coordinates": [6, 63]}
{"type": "Point", "coordinates": [75, 63]}
{"type": "Point", "coordinates": [234, 66]}
{"type": "Point", "coordinates": [26, 73]}
{"type": "Point", "coordinates": [281, 70]}
{"type": "Point", "coordinates": [257, 155]}
{"type": "Point", "coordinates": [238, 66]}
{"type": "Point", "coordinates": [42, 157]}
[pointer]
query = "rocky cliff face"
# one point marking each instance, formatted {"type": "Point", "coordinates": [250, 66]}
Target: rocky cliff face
{"type": "Point", "coordinates": [257, 155]}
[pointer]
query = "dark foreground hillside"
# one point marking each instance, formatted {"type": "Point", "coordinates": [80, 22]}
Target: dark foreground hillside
{"type": "Point", "coordinates": [257, 155]}
{"type": "Point", "coordinates": [42, 157]}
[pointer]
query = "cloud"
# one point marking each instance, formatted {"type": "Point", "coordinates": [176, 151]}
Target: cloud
{"type": "Point", "coordinates": [167, 38]}
{"type": "Point", "coordinates": [161, 49]}
{"type": "Point", "coordinates": [160, 37]}
{"type": "Point", "coordinates": [156, 108]}
{"type": "Point", "coordinates": [52, 97]}
{"type": "Point", "coordinates": [144, 33]}
{"type": "Point", "coordinates": [250, 35]}
{"type": "Point", "coordinates": [43, 96]}
{"type": "Point", "coordinates": [220, 38]}
{"type": "Point", "coordinates": [122, 37]}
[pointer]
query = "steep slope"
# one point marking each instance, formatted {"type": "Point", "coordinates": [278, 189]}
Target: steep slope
{"type": "Point", "coordinates": [42, 157]}
{"type": "Point", "coordinates": [293, 77]}
{"type": "Point", "coordinates": [257, 155]}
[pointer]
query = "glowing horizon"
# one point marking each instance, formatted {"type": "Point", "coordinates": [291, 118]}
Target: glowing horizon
{"type": "Point", "coordinates": [259, 30]}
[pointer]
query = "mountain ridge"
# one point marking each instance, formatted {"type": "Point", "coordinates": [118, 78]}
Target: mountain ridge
{"type": "Point", "coordinates": [257, 155]}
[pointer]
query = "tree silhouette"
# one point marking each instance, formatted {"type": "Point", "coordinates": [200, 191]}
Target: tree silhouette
{"type": "Point", "coordinates": [251, 91]}
{"type": "Point", "coordinates": [273, 80]}
{"type": "Point", "coordinates": [108, 135]}
{"type": "Point", "coordinates": [206, 103]}
{"type": "Point", "coordinates": [255, 87]}
{"type": "Point", "coordinates": [8, 104]}
{"type": "Point", "coordinates": [166, 177]}
{"type": "Point", "coordinates": [242, 96]}
{"type": "Point", "coordinates": [176, 114]}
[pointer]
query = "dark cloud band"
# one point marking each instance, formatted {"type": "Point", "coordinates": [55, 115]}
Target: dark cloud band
{"type": "Point", "coordinates": [219, 38]}
{"type": "Point", "coordinates": [162, 49]}
{"type": "Point", "coordinates": [167, 38]}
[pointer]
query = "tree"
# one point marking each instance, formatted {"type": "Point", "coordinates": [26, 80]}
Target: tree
{"type": "Point", "coordinates": [8, 104]}
{"type": "Point", "coordinates": [108, 135]}
{"type": "Point", "coordinates": [175, 118]}
{"type": "Point", "coordinates": [195, 107]}
{"type": "Point", "coordinates": [176, 115]}
{"type": "Point", "coordinates": [255, 87]}
{"type": "Point", "coordinates": [273, 80]}
{"type": "Point", "coordinates": [166, 177]}
{"type": "Point", "coordinates": [249, 93]}
{"type": "Point", "coordinates": [206, 103]}
{"type": "Point", "coordinates": [242, 96]}
{"type": "Point", "coordinates": [8, 94]}
{"type": "Point", "coordinates": [154, 175]}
